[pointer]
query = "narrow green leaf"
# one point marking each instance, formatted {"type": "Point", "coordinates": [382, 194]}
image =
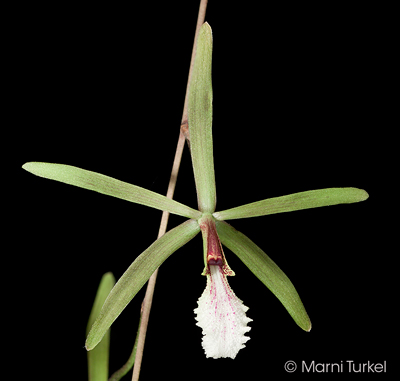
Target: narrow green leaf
{"type": "Point", "coordinates": [265, 269]}
{"type": "Point", "coordinates": [200, 122]}
{"type": "Point", "coordinates": [137, 275]}
{"type": "Point", "coordinates": [98, 358]}
{"type": "Point", "coordinates": [121, 372]}
{"type": "Point", "coordinates": [295, 201]}
{"type": "Point", "coordinates": [109, 186]}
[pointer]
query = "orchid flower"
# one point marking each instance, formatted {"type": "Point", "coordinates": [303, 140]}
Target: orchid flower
{"type": "Point", "coordinates": [220, 313]}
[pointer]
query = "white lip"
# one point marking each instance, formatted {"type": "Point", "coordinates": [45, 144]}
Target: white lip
{"type": "Point", "coordinates": [222, 317]}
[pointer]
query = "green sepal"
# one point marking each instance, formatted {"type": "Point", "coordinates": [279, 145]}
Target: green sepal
{"type": "Point", "coordinates": [265, 269]}
{"type": "Point", "coordinates": [295, 201]}
{"type": "Point", "coordinates": [109, 186]}
{"type": "Point", "coordinates": [200, 122]}
{"type": "Point", "coordinates": [98, 358]}
{"type": "Point", "coordinates": [137, 275]}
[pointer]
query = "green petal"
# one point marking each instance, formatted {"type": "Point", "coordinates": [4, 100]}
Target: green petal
{"type": "Point", "coordinates": [109, 186]}
{"type": "Point", "coordinates": [266, 270]}
{"type": "Point", "coordinates": [137, 275]}
{"type": "Point", "coordinates": [200, 122]}
{"type": "Point", "coordinates": [98, 358]}
{"type": "Point", "coordinates": [295, 201]}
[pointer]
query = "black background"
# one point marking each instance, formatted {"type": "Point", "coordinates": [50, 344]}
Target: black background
{"type": "Point", "coordinates": [297, 106]}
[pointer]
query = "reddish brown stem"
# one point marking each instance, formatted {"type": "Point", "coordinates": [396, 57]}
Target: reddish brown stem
{"type": "Point", "coordinates": [146, 306]}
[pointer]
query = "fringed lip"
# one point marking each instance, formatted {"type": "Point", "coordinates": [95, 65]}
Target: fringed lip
{"type": "Point", "coordinates": [222, 317]}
